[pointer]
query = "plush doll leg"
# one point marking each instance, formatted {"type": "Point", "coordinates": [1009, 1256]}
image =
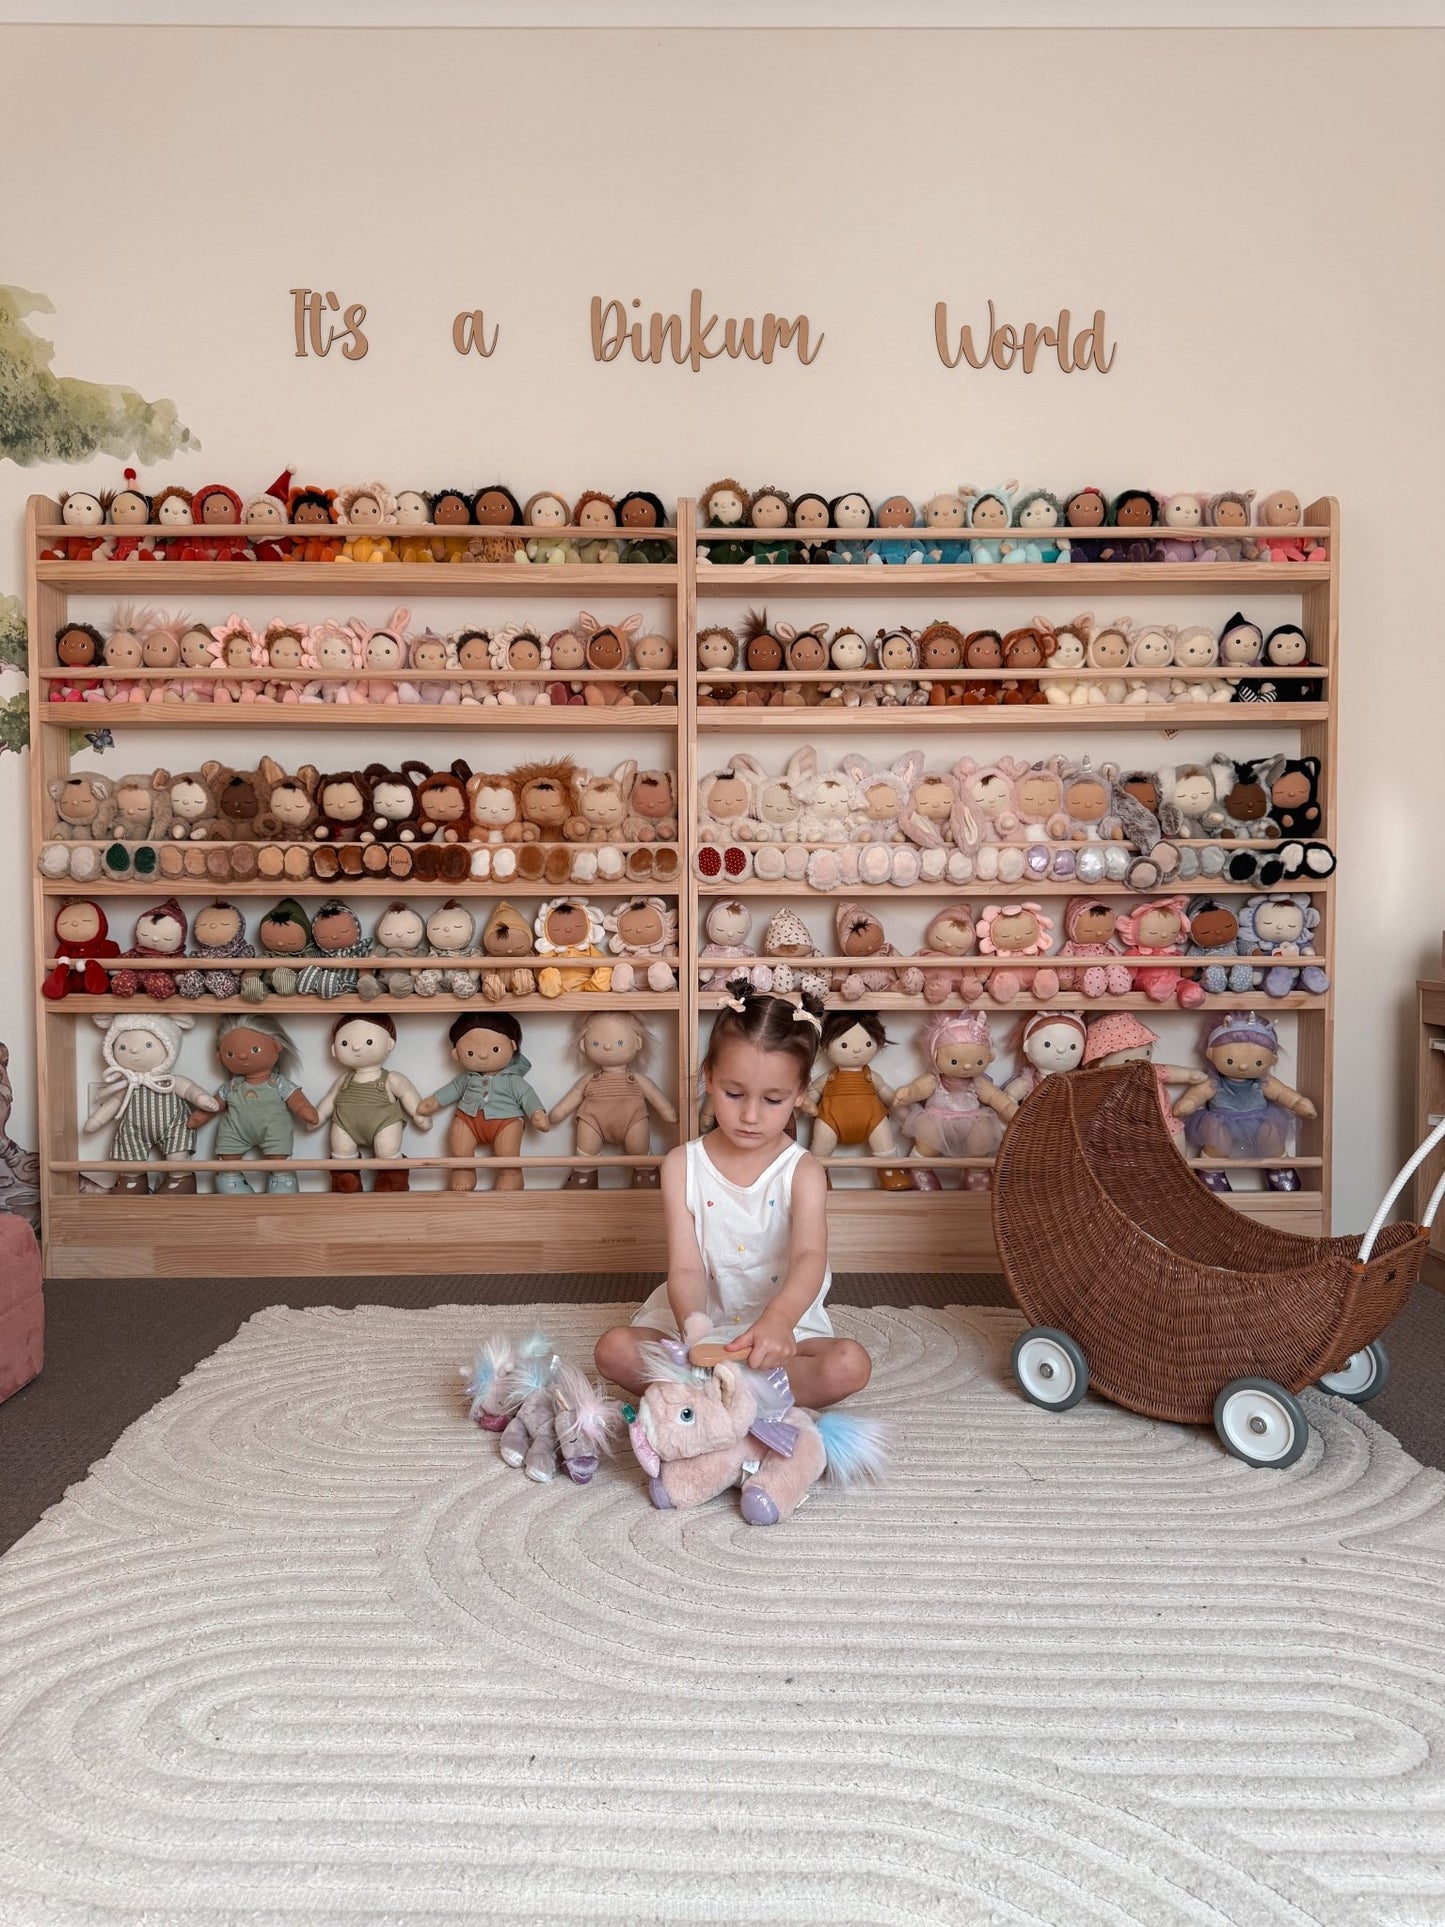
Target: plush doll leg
{"type": "Point", "coordinates": [639, 1136]}
{"type": "Point", "coordinates": [883, 1144]}
{"type": "Point", "coordinates": [388, 1145]}
{"type": "Point", "coordinates": [509, 1145]}
{"type": "Point", "coordinates": [689, 1482]}
{"type": "Point", "coordinates": [230, 1184]}
{"type": "Point", "coordinates": [282, 1184]}
{"type": "Point", "coordinates": [460, 1144]}
{"type": "Point", "coordinates": [343, 1145]}
{"type": "Point", "coordinates": [589, 1143]}
{"type": "Point", "coordinates": [779, 1485]}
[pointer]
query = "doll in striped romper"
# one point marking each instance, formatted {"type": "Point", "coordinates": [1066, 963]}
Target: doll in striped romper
{"type": "Point", "coordinates": [147, 1099]}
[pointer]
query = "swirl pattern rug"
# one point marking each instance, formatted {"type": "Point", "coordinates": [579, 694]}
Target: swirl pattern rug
{"type": "Point", "coordinates": [302, 1650]}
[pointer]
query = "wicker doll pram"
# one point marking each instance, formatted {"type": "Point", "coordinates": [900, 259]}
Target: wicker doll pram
{"type": "Point", "coordinates": [1139, 1282]}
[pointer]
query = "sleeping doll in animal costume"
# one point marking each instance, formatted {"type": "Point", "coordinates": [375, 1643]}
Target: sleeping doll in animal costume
{"type": "Point", "coordinates": [147, 1099]}
{"type": "Point", "coordinates": [260, 1105]}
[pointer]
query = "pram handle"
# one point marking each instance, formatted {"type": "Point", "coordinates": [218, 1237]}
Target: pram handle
{"type": "Point", "coordinates": [1367, 1243]}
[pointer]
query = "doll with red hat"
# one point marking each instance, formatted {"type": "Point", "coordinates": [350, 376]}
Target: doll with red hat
{"type": "Point", "coordinates": [81, 936]}
{"type": "Point", "coordinates": [130, 509]}
{"type": "Point", "coordinates": [216, 509]}
{"type": "Point", "coordinates": [266, 513]}
{"type": "Point", "coordinates": [1120, 1038]}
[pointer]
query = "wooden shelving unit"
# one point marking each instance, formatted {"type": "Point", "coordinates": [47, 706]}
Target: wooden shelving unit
{"type": "Point", "coordinates": [543, 1228]}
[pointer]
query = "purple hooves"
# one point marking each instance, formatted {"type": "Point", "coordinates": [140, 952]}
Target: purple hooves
{"type": "Point", "coordinates": [657, 1492]}
{"type": "Point", "coordinates": [580, 1470]}
{"type": "Point", "coordinates": [760, 1508]}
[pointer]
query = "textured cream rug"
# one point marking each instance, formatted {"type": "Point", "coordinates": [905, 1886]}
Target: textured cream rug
{"type": "Point", "coordinates": [302, 1650]}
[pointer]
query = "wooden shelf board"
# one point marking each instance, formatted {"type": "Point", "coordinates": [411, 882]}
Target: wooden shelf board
{"type": "Point", "coordinates": [395, 581]}
{"type": "Point", "coordinates": [1093, 579]}
{"type": "Point", "coordinates": [157, 887]}
{"type": "Point", "coordinates": [470, 716]}
{"type": "Point", "coordinates": [81, 1005]}
{"type": "Point", "coordinates": [892, 892]}
{"type": "Point", "coordinates": [1001, 716]}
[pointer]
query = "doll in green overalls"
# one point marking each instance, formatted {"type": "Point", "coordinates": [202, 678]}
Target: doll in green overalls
{"type": "Point", "coordinates": [368, 1105]}
{"type": "Point", "coordinates": [261, 1105]}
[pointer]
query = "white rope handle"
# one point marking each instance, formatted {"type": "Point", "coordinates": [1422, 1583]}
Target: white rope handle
{"type": "Point", "coordinates": [1367, 1243]}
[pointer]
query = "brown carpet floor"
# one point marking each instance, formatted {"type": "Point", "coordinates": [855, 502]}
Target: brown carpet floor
{"type": "Point", "coordinates": [116, 1346]}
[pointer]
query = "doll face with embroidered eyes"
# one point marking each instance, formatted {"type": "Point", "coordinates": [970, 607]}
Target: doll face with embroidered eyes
{"type": "Point", "coordinates": [123, 650]}
{"type": "Point", "coordinates": [429, 655]}
{"type": "Point", "coordinates": [1214, 929]}
{"type": "Point", "coordinates": [958, 1058]}
{"type": "Point", "coordinates": [75, 648]}
{"type": "Point", "coordinates": [383, 651]}
{"type": "Point", "coordinates": [1159, 928]}
{"type": "Point", "coordinates": [568, 650]}
{"type": "Point", "coordinates": [852, 512]}
{"type": "Point", "coordinates": [140, 1050]}
{"type": "Point", "coordinates": [291, 805]}
{"type": "Point", "coordinates": [494, 806]}
{"type": "Point", "coordinates": [248, 1053]}
{"type": "Point", "coordinates": [1242, 645]}
{"type": "Point", "coordinates": [1134, 512]}
{"type": "Point", "coordinates": [451, 928]}
{"type": "Point", "coordinates": [897, 513]}
{"type": "Point", "coordinates": [1054, 1047]}
{"type": "Point", "coordinates": [832, 797]}
{"type": "Point", "coordinates": [549, 512]}
{"type": "Point", "coordinates": [266, 512]}
{"type": "Point", "coordinates": [848, 650]}
{"type": "Point", "coordinates": [175, 511]}
{"type": "Point", "coordinates": [1182, 512]}
{"type": "Point", "coordinates": [77, 923]}
{"type": "Point", "coordinates": [335, 930]}
{"type": "Point", "coordinates": [335, 651]}
{"type": "Point", "coordinates": [933, 798]}
{"type": "Point", "coordinates": [524, 652]}
{"type": "Point", "coordinates": [726, 797]}
{"type": "Point", "coordinates": [778, 807]}
{"type": "Point", "coordinates": [160, 650]}
{"type": "Point", "coordinates": [605, 650]}
{"type": "Point", "coordinates": [652, 652]}
{"type": "Point", "coordinates": [807, 652]}
{"type": "Point", "coordinates": [764, 653]}
{"type": "Point", "coordinates": [1086, 800]}
{"type": "Point", "coordinates": [280, 937]}
{"type": "Point", "coordinates": [810, 513]}
{"type": "Point", "coordinates": [1039, 514]}
{"type": "Point", "coordinates": [1195, 649]}
{"type": "Point", "coordinates": [401, 929]}
{"type": "Point", "coordinates": [1287, 648]}
{"type": "Point", "coordinates": [451, 510]}
{"type": "Point", "coordinates": [853, 1049]}
{"type": "Point", "coordinates": [411, 509]}
{"type": "Point", "coordinates": [443, 801]}
{"type": "Point", "coordinates": [1015, 931]}
{"type": "Point", "coordinates": [495, 511]}
{"type": "Point", "coordinates": [1244, 1061]}
{"type": "Point", "coordinates": [360, 1044]}
{"type": "Point", "coordinates": [1194, 792]}
{"type": "Point", "coordinates": [483, 1051]}
{"type": "Point", "coordinates": [129, 509]}
{"type": "Point", "coordinates": [82, 511]}
{"type": "Point", "coordinates": [610, 1039]}
{"type": "Point", "coordinates": [284, 650]}
{"type": "Point", "coordinates": [219, 508]}
{"type": "Point", "coordinates": [597, 515]}
{"type": "Point", "coordinates": [1068, 652]}
{"type": "Point", "coordinates": [1152, 649]}
{"type": "Point", "coordinates": [943, 650]}
{"type": "Point", "coordinates": [768, 511]}
{"type": "Point", "coordinates": [638, 514]}
{"type": "Point", "coordinates": [943, 512]}
{"type": "Point", "coordinates": [952, 932]}
{"type": "Point", "coordinates": [1231, 515]}
{"type": "Point", "coordinates": [236, 652]}
{"type": "Point", "coordinates": [640, 926]}
{"type": "Point", "coordinates": [1109, 650]}
{"type": "Point", "coordinates": [365, 511]}
{"type": "Point", "coordinates": [1039, 794]}
{"type": "Point", "coordinates": [216, 925]}
{"type": "Point", "coordinates": [1281, 510]}
{"type": "Point", "coordinates": [714, 651]}
{"type": "Point", "coordinates": [984, 650]}
{"type": "Point", "coordinates": [1085, 510]}
{"type": "Point", "coordinates": [311, 512]}
{"type": "Point", "coordinates": [896, 652]}
{"type": "Point", "coordinates": [1279, 921]}
{"type": "Point", "coordinates": [567, 925]}
{"type": "Point", "coordinates": [1024, 649]}
{"type": "Point", "coordinates": [472, 653]}
{"type": "Point", "coordinates": [341, 801]}
{"type": "Point", "coordinates": [990, 513]}
{"type": "Point", "coordinates": [725, 508]}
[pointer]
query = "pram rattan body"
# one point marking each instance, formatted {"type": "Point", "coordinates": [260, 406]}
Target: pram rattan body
{"type": "Point", "coordinates": [1109, 1240]}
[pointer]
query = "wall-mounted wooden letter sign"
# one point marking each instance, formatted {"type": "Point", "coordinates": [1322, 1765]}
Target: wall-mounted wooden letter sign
{"type": "Point", "coordinates": [690, 340]}
{"type": "Point", "coordinates": [1004, 346]}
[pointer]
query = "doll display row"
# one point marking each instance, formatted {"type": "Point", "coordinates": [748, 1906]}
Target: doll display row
{"type": "Point", "coordinates": [547, 821]}
{"type": "Point", "coordinates": [1008, 821]}
{"type": "Point", "coordinates": [290, 662]}
{"type": "Point", "coordinates": [1001, 525]}
{"type": "Point", "coordinates": [1175, 951]}
{"type": "Point", "coordinates": [1079, 663]}
{"type": "Point", "coordinates": [1236, 1109]}
{"type": "Point", "coordinates": [453, 950]}
{"type": "Point", "coordinates": [156, 1109]}
{"type": "Point", "coordinates": [366, 522]}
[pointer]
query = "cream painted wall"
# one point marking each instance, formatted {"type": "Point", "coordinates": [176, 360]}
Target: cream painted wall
{"type": "Point", "coordinates": [1259, 214]}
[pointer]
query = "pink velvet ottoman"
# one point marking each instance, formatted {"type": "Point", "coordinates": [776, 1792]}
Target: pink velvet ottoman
{"type": "Point", "coordinates": [22, 1308]}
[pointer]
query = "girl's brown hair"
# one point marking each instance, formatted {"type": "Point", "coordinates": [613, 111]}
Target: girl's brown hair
{"type": "Point", "coordinates": [768, 1023]}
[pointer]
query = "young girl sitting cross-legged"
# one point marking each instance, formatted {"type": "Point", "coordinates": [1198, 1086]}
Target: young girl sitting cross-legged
{"type": "Point", "coordinates": [747, 1238]}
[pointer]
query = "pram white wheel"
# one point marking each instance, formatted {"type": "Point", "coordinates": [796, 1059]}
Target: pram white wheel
{"type": "Point", "coordinates": [1050, 1368]}
{"type": "Point", "coordinates": [1362, 1375]}
{"type": "Point", "coordinates": [1260, 1422]}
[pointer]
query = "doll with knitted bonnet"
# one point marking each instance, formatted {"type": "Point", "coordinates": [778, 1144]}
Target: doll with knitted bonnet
{"type": "Point", "coordinates": [1120, 1038]}
{"type": "Point", "coordinates": [963, 1112]}
{"type": "Point", "coordinates": [147, 1099]}
{"type": "Point", "coordinates": [1161, 929]}
{"type": "Point", "coordinates": [365, 511]}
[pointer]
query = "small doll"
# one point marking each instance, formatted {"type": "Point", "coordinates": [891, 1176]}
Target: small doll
{"type": "Point", "coordinates": [637, 512]}
{"type": "Point", "coordinates": [1179, 514]}
{"type": "Point", "coordinates": [944, 515]}
{"type": "Point", "coordinates": [1196, 649]}
{"type": "Point", "coordinates": [159, 932]}
{"type": "Point", "coordinates": [1134, 509]}
{"type": "Point", "coordinates": [1050, 1042]}
{"type": "Point", "coordinates": [443, 805]}
{"type": "Point", "coordinates": [719, 650]}
{"type": "Point", "coordinates": [384, 656]}
{"type": "Point", "coordinates": [494, 1102]}
{"type": "Point", "coordinates": [1070, 641]}
{"type": "Point", "coordinates": [850, 513]}
{"type": "Point", "coordinates": [951, 935]}
{"type": "Point", "coordinates": [896, 513]}
{"type": "Point", "coordinates": [1024, 651]}
{"type": "Point", "coordinates": [568, 928]}
{"type": "Point", "coordinates": [1285, 647]}
{"type": "Point", "coordinates": [495, 507]}
{"type": "Point", "coordinates": [1150, 647]}
{"type": "Point", "coordinates": [285, 649]}
{"type": "Point", "coordinates": [724, 505]}
{"type": "Point", "coordinates": [213, 509]}
{"type": "Point", "coordinates": [343, 818]}
{"type": "Point", "coordinates": [368, 1105]}
{"type": "Point", "coordinates": [898, 652]}
{"type": "Point", "coordinates": [161, 649]}
{"type": "Point", "coordinates": [1160, 929]}
{"type": "Point", "coordinates": [1090, 930]}
{"type": "Point", "coordinates": [810, 514]}
{"type": "Point", "coordinates": [653, 657]}
{"type": "Point", "coordinates": [81, 936]}
{"type": "Point", "coordinates": [959, 1112]}
{"type": "Point", "coordinates": [197, 656]}
{"type": "Point", "coordinates": [124, 651]}
{"type": "Point", "coordinates": [313, 508]}
{"type": "Point", "coordinates": [983, 649]}
{"type": "Point", "coordinates": [612, 1098]}
{"type": "Point", "coordinates": [78, 645]}
{"type": "Point", "coordinates": [219, 931]}
{"type": "Point", "coordinates": [518, 653]}
{"type": "Point", "coordinates": [1241, 643]}
{"type": "Point", "coordinates": [607, 645]}
{"type": "Point", "coordinates": [771, 509]}
{"type": "Point", "coordinates": [366, 510]}
{"type": "Point", "coordinates": [1243, 1110]}
{"type": "Point", "coordinates": [1040, 515]}
{"type": "Point", "coordinates": [1231, 511]}
{"type": "Point", "coordinates": [1083, 510]}
{"type": "Point", "coordinates": [1281, 516]}
{"type": "Point", "coordinates": [1294, 795]}
{"type": "Point", "coordinates": [849, 1103]}
{"type": "Point", "coordinates": [507, 935]}
{"type": "Point", "coordinates": [335, 932]}
{"type": "Point", "coordinates": [568, 653]}
{"type": "Point", "coordinates": [451, 932]}
{"type": "Point", "coordinates": [148, 1100]}
{"type": "Point", "coordinates": [990, 510]}
{"type": "Point", "coordinates": [263, 516]}
{"type": "Point", "coordinates": [847, 653]}
{"type": "Point", "coordinates": [80, 509]}
{"type": "Point", "coordinates": [130, 509]}
{"type": "Point", "coordinates": [337, 650]}
{"type": "Point", "coordinates": [289, 817]}
{"type": "Point", "coordinates": [1214, 934]}
{"type": "Point", "coordinates": [1014, 930]}
{"type": "Point", "coordinates": [727, 927]}
{"type": "Point", "coordinates": [602, 806]}
{"type": "Point", "coordinates": [260, 1104]}
{"type": "Point", "coordinates": [860, 938]}
{"type": "Point", "coordinates": [413, 519]}
{"type": "Point", "coordinates": [642, 932]}
{"type": "Point", "coordinates": [430, 653]}
{"type": "Point", "coordinates": [547, 513]}
{"type": "Point", "coordinates": [1284, 926]}
{"type": "Point", "coordinates": [1107, 649]}
{"type": "Point", "coordinates": [172, 512]}
{"type": "Point", "coordinates": [284, 932]}
{"type": "Point", "coordinates": [1120, 1038]}
{"type": "Point", "coordinates": [401, 933]}
{"type": "Point", "coordinates": [451, 508]}
{"type": "Point", "coordinates": [787, 948]}
{"type": "Point", "coordinates": [597, 513]}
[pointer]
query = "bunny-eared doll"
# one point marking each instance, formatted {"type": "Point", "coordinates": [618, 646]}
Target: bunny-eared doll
{"type": "Point", "coordinates": [148, 1100]}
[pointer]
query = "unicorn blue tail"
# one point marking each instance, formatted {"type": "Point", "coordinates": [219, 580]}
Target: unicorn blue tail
{"type": "Point", "coordinates": [857, 1447]}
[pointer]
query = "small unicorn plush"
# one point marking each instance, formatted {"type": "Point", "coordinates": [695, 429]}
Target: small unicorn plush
{"type": "Point", "coordinates": [542, 1408]}
{"type": "Point", "coordinates": [700, 1430]}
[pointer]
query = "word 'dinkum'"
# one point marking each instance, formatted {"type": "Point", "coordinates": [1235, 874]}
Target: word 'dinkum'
{"type": "Point", "coordinates": [690, 340]}
{"type": "Point", "coordinates": [1002, 345]}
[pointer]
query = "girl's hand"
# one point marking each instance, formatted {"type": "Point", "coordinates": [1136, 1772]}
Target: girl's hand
{"type": "Point", "coordinates": [768, 1342]}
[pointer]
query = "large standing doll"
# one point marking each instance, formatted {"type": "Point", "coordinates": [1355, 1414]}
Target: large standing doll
{"type": "Point", "coordinates": [1243, 1111]}
{"type": "Point", "coordinates": [1120, 1038]}
{"type": "Point", "coordinates": [368, 1105]}
{"type": "Point", "coordinates": [611, 1099]}
{"type": "Point", "coordinates": [849, 1104]}
{"type": "Point", "coordinates": [260, 1103]}
{"type": "Point", "coordinates": [148, 1100]}
{"type": "Point", "coordinates": [1049, 1043]}
{"type": "Point", "coordinates": [494, 1101]}
{"type": "Point", "coordinates": [963, 1112]}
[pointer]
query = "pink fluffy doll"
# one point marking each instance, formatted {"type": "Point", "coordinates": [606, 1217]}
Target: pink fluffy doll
{"type": "Point", "coordinates": [1017, 929]}
{"type": "Point", "coordinates": [1160, 929]}
{"type": "Point", "coordinates": [1090, 930]}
